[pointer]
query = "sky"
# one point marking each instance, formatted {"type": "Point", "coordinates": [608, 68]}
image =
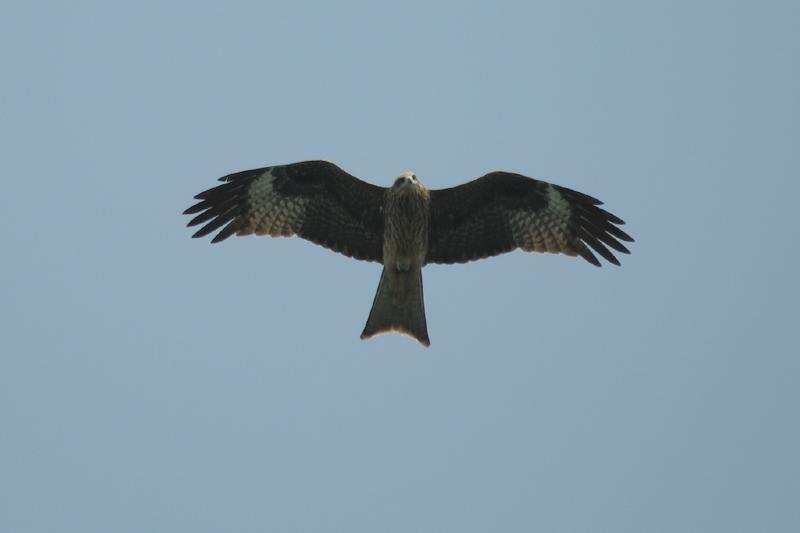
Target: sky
{"type": "Point", "coordinates": [153, 382]}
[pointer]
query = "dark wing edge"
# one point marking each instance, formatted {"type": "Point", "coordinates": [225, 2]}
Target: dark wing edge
{"type": "Point", "coordinates": [593, 226]}
{"type": "Point", "coordinates": [502, 211]}
{"type": "Point", "coordinates": [224, 205]}
{"type": "Point", "coordinates": [315, 200]}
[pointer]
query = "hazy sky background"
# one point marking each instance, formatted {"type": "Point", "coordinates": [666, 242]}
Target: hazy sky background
{"type": "Point", "coordinates": [154, 383]}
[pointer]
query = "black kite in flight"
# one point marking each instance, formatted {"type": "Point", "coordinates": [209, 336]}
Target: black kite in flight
{"type": "Point", "coordinates": [406, 226]}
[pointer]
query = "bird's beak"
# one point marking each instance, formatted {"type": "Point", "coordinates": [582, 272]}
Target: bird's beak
{"type": "Point", "coordinates": [402, 182]}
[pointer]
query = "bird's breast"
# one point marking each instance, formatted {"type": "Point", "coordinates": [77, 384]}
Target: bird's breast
{"type": "Point", "coordinates": [405, 241]}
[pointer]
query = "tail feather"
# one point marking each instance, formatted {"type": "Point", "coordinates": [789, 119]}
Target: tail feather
{"type": "Point", "coordinates": [399, 306]}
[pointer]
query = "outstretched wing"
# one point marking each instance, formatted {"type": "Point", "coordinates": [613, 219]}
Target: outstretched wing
{"type": "Point", "coordinates": [315, 200]}
{"type": "Point", "coordinates": [501, 212]}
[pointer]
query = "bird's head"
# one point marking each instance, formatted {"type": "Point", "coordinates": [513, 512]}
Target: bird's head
{"type": "Point", "coordinates": [407, 181]}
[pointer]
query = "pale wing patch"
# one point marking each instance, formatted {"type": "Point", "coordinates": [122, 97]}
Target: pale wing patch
{"type": "Point", "coordinates": [248, 202]}
{"type": "Point", "coordinates": [545, 230]}
{"type": "Point", "coordinates": [270, 213]}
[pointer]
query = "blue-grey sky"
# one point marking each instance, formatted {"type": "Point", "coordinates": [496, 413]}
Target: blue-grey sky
{"type": "Point", "coordinates": [151, 382]}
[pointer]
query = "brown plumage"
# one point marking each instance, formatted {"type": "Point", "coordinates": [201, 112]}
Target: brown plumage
{"type": "Point", "coordinates": [406, 226]}
{"type": "Point", "coordinates": [399, 304]}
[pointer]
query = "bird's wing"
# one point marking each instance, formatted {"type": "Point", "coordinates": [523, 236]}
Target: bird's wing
{"type": "Point", "coordinates": [315, 200]}
{"type": "Point", "coordinates": [501, 212]}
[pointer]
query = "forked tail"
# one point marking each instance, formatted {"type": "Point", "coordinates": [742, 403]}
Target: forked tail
{"type": "Point", "coordinates": [399, 306]}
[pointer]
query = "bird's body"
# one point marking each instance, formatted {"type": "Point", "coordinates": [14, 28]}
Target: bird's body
{"type": "Point", "coordinates": [406, 223]}
{"type": "Point", "coordinates": [399, 304]}
{"type": "Point", "coordinates": [407, 226]}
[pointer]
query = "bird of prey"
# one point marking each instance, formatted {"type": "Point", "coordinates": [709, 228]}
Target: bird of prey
{"type": "Point", "coordinates": [407, 226]}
